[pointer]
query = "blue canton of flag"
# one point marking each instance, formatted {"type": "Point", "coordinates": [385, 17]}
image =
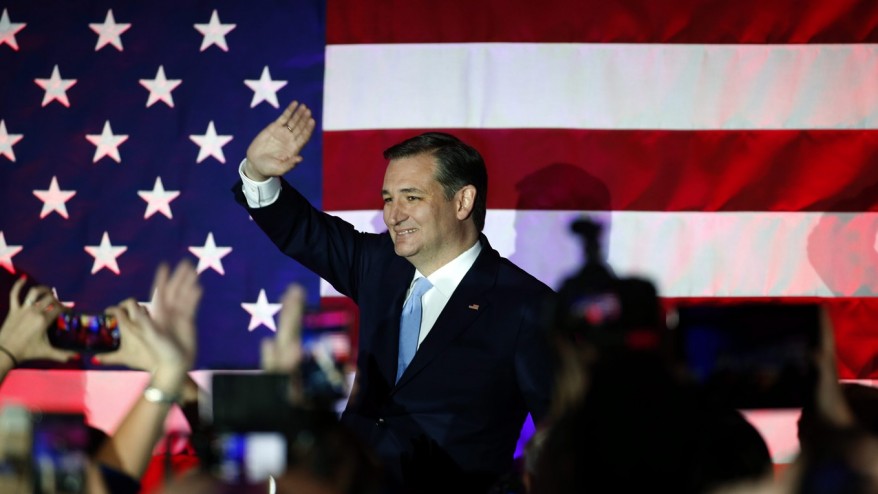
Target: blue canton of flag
{"type": "Point", "coordinates": [122, 125]}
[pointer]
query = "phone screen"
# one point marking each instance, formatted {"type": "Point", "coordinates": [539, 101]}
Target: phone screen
{"type": "Point", "coordinates": [248, 401]}
{"type": "Point", "coordinates": [93, 333]}
{"type": "Point", "coordinates": [326, 346]}
{"type": "Point", "coordinates": [751, 355]}
{"type": "Point", "coordinates": [249, 457]}
{"type": "Point", "coordinates": [59, 452]}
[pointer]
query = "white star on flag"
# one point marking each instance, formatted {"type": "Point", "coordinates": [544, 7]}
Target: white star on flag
{"type": "Point", "coordinates": [265, 89]}
{"type": "Point", "coordinates": [8, 30]}
{"type": "Point", "coordinates": [8, 140]}
{"type": "Point", "coordinates": [107, 143]}
{"type": "Point", "coordinates": [69, 305]}
{"type": "Point", "coordinates": [158, 199]}
{"type": "Point", "coordinates": [6, 253]}
{"type": "Point", "coordinates": [56, 88]}
{"type": "Point", "coordinates": [210, 256]}
{"type": "Point", "coordinates": [214, 32]}
{"type": "Point", "coordinates": [160, 88]}
{"type": "Point", "coordinates": [210, 144]}
{"type": "Point", "coordinates": [261, 313]}
{"type": "Point", "coordinates": [54, 199]}
{"type": "Point", "coordinates": [109, 32]}
{"type": "Point", "coordinates": [105, 255]}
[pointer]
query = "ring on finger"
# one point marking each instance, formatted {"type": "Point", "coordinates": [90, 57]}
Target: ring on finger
{"type": "Point", "coordinates": [289, 128]}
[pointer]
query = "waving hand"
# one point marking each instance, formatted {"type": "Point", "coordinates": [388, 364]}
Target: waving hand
{"type": "Point", "coordinates": [275, 150]}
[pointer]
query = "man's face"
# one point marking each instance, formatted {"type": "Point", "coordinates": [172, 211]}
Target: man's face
{"type": "Point", "coordinates": [423, 224]}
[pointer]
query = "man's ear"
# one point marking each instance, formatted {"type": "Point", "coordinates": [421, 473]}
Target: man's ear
{"type": "Point", "coordinates": [466, 200]}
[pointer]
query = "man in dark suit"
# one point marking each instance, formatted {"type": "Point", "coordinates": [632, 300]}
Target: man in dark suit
{"type": "Point", "coordinates": [451, 413]}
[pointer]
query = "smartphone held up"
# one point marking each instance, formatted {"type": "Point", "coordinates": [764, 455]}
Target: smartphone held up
{"type": "Point", "coordinates": [85, 333]}
{"type": "Point", "coordinates": [751, 355]}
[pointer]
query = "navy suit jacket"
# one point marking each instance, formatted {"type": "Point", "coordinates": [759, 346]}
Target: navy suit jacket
{"type": "Point", "coordinates": [455, 415]}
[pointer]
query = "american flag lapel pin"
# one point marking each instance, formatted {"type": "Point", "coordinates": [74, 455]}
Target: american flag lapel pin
{"type": "Point", "coordinates": [474, 306]}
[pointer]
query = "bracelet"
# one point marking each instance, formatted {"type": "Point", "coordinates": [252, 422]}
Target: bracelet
{"type": "Point", "coordinates": [155, 395]}
{"type": "Point", "coordinates": [10, 355]}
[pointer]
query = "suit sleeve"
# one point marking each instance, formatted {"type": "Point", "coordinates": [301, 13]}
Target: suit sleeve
{"type": "Point", "coordinates": [325, 244]}
{"type": "Point", "coordinates": [533, 359]}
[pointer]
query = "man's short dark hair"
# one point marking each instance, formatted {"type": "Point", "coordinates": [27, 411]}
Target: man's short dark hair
{"type": "Point", "coordinates": [458, 165]}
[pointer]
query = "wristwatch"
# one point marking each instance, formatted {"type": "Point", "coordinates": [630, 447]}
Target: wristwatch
{"type": "Point", "coordinates": [155, 395]}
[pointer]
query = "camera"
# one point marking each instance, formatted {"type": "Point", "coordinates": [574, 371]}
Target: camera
{"type": "Point", "coordinates": [750, 355]}
{"type": "Point", "coordinates": [257, 427]}
{"type": "Point", "coordinates": [85, 333]}
{"type": "Point", "coordinates": [260, 422]}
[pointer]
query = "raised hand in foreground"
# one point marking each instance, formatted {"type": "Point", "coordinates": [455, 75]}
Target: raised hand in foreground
{"type": "Point", "coordinates": [163, 344]}
{"type": "Point", "coordinates": [24, 334]}
{"type": "Point", "coordinates": [284, 353]}
{"type": "Point", "coordinates": [164, 339]}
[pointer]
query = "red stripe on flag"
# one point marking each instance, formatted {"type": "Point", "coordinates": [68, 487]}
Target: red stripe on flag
{"type": "Point", "coordinates": [635, 170]}
{"type": "Point", "coordinates": [631, 21]}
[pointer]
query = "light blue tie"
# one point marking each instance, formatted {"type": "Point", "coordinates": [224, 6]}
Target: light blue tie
{"type": "Point", "coordinates": [410, 325]}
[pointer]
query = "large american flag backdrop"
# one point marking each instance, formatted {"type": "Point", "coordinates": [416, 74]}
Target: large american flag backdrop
{"type": "Point", "coordinates": [728, 147]}
{"type": "Point", "coordinates": [122, 125]}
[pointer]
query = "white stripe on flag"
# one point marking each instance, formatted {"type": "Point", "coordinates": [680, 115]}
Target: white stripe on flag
{"type": "Point", "coordinates": [601, 86]}
{"type": "Point", "coordinates": [694, 254]}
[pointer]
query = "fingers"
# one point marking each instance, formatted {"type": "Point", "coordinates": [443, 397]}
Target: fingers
{"type": "Point", "coordinates": [184, 286]}
{"type": "Point", "coordinates": [38, 294]}
{"type": "Point", "coordinates": [827, 332]}
{"type": "Point", "coordinates": [134, 310]}
{"type": "Point", "coordinates": [53, 309]}
{"type": "Point", "coordinates": [268, 355]}
{"type": "Point", "coordinates": [121, 315]}
{"type": "Point", "coordinates": [287, 114]}
{"type": "Point", "coordinates": [177, 298]}
{"type": "Point", "coordinates": [25, 330]}
{"type": "Point", "coordinates": [15, 293]}
{"type": "Point", "coordinates": [296, 119]}
{"type": "Point", "coordinates": [161, 277]}
{"type": "Point", "coordinates": [292, 311]}
{"type": "Point", "coordinates": [42, 299]}
{"type": "Point", "coordinates": [180, 292]}
{"type": "Point", "coordinates": [299, 118]}
{"type": "Point", "coordinates": [159, 288]}
{"type": "Point", "coordinates": [131, 352]}
{"type": "Point", "coordinates": [826, 349]}
{"type": "Point", "coordinates": [182, 296]}
{"type": "Point", "coordinates": [830, 399]}
{"type": "Point", "coordinates": [275, 150]}
{"type": "Point", "coordinates": [130, 314]}
{"type": "Point", "coordinates": [301, 125]}
{"type": "Point", "coordinates": [283, 353]}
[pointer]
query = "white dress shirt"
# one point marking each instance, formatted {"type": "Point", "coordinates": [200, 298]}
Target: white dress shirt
{"type": "Point", "coordinates": [445, 281]}
{"type": "Point", "coordinates": [259, 194]}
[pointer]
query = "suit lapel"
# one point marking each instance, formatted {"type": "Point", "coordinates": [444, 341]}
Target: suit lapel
{"type": "Point", "coordinates": [387, 345]}
{"type": "Point", "coordinates": [466, 303]}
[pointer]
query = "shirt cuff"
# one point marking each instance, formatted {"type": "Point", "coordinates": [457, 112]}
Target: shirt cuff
{"type": "Point", "coordinates": [259, 194]}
